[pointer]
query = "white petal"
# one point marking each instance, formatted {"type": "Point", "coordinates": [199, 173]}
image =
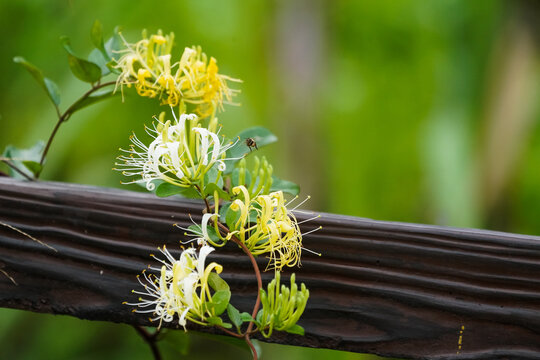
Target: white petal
{"type": "Point", "coordinates": [204, 144]}
{"type": "Point", "coordinates": [189, 288]}
{"type": "Point", "coordinates": [204, 225]}
{"type": "Point", "coordinates": [203, 253]}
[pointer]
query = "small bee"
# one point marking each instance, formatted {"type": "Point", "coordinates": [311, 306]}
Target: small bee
{"type": "Point", "coordinates": [250, 142]}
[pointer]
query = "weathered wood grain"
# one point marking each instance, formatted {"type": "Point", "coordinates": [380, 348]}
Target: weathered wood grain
{"type": "Point", "coordinates": [395, 289]}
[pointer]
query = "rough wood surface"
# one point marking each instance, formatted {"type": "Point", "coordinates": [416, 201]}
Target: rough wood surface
{"type": "Point", "coordinates": [395, 289]}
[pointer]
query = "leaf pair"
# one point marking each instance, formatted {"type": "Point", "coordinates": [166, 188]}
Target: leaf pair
{"type": "Point", "coordinates": [100, 60]}
{"type": "Point", "coordinates": [26, 161]}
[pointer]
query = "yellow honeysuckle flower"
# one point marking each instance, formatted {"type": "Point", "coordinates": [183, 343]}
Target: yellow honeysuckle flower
{"type": "Point", "coordinates": [149, 67]}
{"type": "Point", "coordinates": [274, 232]}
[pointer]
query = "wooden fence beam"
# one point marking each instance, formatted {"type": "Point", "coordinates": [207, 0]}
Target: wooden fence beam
{"type": "Point", "coordinates": [395, 289]}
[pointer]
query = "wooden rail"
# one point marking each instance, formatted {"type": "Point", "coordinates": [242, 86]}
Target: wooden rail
{"type": "Point", "coordinates": [395, 289]}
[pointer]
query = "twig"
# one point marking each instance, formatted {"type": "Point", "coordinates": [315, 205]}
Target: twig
{"type": "Point", "coordinates": [64, 117]}
{"type": "Point", "coordinates": [251, 346]}
{"type": "Point", "coordinates": [150, 339]}
{"type": "Point", "coordinates": [8, 163]}
{"type": "Point", "coordinates": [259, 286]}
{"type": "Point", "coordinates": [229, 332]}
{"type": "Point", "coordinates": [208, 208]}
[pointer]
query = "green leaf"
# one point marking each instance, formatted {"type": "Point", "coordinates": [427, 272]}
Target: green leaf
{"type": "Point", "coordinates": [26, 160]}
{"type": "Point", "coordinates": [83, 69]}
{"type": "Point", "coordinates": [286, 186]}
{"type": "Point", "coordinates": [246, 317]}
{"type": "Point", "coordinates": [217, 283]}
{"type": "Point", "coordinates": [178, 340]}
{"type": "Point", "coordinates": [213, 235]}
{"type": "Point", "coordinates": [34, 166]}
{"type": "Point", "coordinates": [234, 316]}
{"type": "Point", "coordinates": [259, 315]}
{"type": "Point", "coordinates": [96, 34]}
{"type": "Point", "coordinates": [262, 137]}
{"type": "Point", "coordinates": [223, 208]}
{"type": "Point", "coordinates": [96, 97]}
{"type": "Point", "coordinates": [231, 218]}
{"type": "Point", "coordinates": [220, 301]}
{"type": "Point", "coordinates": [195, 229]}
{"type": "Point", "coordinates": [96, 56]}
{"type": "Point", "coordinates": [52, 90]}
{"type": "Point", "coordinates": [235, 178]}
{"type": "Point", "coordinates": [214, 320]}
{"type": "Point", "coordinates": [166, 189]}
{"type": "Point", "coordinates": [257, 347]}
{"type": "Point", "coordinates": [210, 188]}
{"type": "Point", "coordinates": [295, 329]}
{"type": "Point", "coordinates": [114, 44]}
{"type": "Point", "coordinates": [211, 176]}
{"type": "Point", "coordinates": [47, 84]}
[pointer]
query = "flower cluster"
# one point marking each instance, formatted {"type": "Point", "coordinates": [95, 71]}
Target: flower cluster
{"type": "Point", "coordinates": [240, 202]}
{"type": "Point", "coordinates": [266, 226]}
{"type": "Point", "coordinates": [180, 154]}
{"type": "Point", "coordinates": [182, 288]}
{"type": "Point", "coordinates": [257, 180]}
{"type": "Point", "coordinates": [282, 307]}
{"type": "Point", "coordinates": [148, 65]}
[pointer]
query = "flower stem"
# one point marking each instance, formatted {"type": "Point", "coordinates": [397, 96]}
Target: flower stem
{"type": "Point", "coordinates": [64, 117]}
{"type": "Point", "coordinates": [257, 275]}
{"type": "Point", "coordinates": [250, 344]}
{"type": "Point", "coordinates": [208, 209]}
{"type": "Point", "coordinates": [227, 331]}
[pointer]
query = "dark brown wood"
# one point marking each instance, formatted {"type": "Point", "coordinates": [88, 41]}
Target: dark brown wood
{"type": "Point", "coordinates": [396, 289]}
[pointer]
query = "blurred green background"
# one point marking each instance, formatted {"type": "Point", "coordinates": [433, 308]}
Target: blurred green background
{"type": "Point", "coordinates": [416, 111]}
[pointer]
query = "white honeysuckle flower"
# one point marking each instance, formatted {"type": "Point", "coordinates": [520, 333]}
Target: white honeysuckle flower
{"type": "Point", "coordinates": [181, 287]}
{"type": "Point", "coordinates": [200, 233]}
{"type": "Point", "coordinates": [179, 154]}
{"type": "Point", "coordinates": [204, 227]}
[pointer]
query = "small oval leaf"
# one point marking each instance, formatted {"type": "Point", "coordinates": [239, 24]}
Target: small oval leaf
{"type": "Point", "coordinates": [83, 69]}
{"type": "Point", "coordinates": [284, 185]}
{"type": "Point", "coordinates": [234, 316]}
{"type": "Point", "coordinates": [166, 189]}
{"type": "Point", "coordinates": [96, 34]}
{"type": "Point", "coordinates": [26, 160]}
{"type": "Point", "coordinates": [220, 301]}
{"type": "Point", "coordinates": [259, 134]}
{"type": "Point", "coordinates": [47, 84]}
{"type": "Point", "coordinates": [217, 283]}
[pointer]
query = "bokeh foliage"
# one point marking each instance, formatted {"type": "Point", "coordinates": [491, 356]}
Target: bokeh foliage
{"type": "Point", "coordinates": [399, 107]}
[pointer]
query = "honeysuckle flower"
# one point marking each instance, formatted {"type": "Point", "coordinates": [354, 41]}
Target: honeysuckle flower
{"type": "Point", "coordinates": [274, 231]}
{"type": "Point", "coordinates": [180, 154]}
{"type": "Point", "coordinates": [148, 65]}
{"type": "Point", "coordinates": [199, 233]}
{"type": "Point", "coordinates": [180, 289]}
{"type": "Point", "coordinates": [205, 87]}
{"type": "Point", "coordinates": [282, 306]}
